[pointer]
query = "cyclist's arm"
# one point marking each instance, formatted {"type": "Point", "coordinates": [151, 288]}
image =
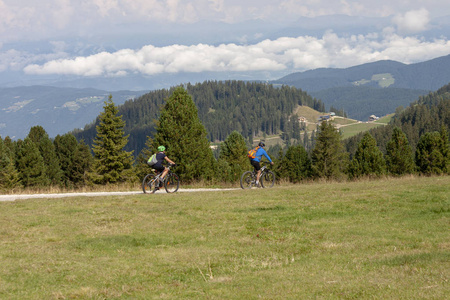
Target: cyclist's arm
{"type": "Point", "coordinates": [267, 156]}
{"type": "Point", "coordinates": [169, 160]}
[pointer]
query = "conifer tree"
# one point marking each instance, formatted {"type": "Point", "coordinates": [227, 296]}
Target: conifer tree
{"type": "Point", "coordinates": [112, 163]}
{"type": "Point", "coordinates": [81, 164]}
{"type": "Point", "coordinates": [65, 146]}
{"type": "Point", "coordinates": [52, 166]}
{"type": "Point", "coordinates": [445, 149]}
{"type": "Point", "coordinates": [179, 129]}
{"type": "Point", "coordinates": [297, 164]}
{"type": "Point", "coordinates": [75, 159]}
{"type": "Point", "coordinates": [234, 152]}
{"type": "Point", "coordinates": [141, 169]}
{"type": "Point", "coordinates": [329, 160]}
{"type": "Point", "coordinates": [368, 159]}
{"type": "Point", "coordinates": [30, 164]}
{"type": "Point", "coordinates": [9, 177]}
{"type": "Point", "coordinates": [429, 156]}
{"type": "Point", "coordinates": [399, 159]}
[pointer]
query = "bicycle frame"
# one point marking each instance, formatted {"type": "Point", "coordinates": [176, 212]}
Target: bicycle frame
{"type": "Point", "coordinates": [248, 178]}
{"type": "Point", "coordinates": [155, 180]}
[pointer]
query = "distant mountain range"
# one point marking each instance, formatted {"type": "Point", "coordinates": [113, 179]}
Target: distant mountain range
{"type": "Point", "coordinates": [57, 110]}
{"type": "Point", "coordinates": [374, 88]}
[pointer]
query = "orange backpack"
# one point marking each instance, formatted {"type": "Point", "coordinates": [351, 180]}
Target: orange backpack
{"type": "Point", "coordinates": [252, 152]}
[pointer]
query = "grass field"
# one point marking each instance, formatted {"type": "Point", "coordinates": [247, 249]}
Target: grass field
{"type": "Point", "coordinates": [354, 129]}
{"type": "Point", "coordinates": [383, 239]}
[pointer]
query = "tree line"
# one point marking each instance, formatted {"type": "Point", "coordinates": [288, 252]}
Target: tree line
{"type": "Point", "coordinates": [250, 108]}
{"type": "Point", "coordinates": [38, 161]}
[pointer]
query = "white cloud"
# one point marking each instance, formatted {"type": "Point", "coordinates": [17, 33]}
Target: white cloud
{"type": "Point", "coordinates": [299, 53]}
{"type": "Point", "coordinates": [413, 21]}
{"type": "Point", "coordinates": [30, 18]}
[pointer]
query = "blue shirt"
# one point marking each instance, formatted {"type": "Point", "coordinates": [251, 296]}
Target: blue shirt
{"type": "Point", "coordinates": [259, 154]}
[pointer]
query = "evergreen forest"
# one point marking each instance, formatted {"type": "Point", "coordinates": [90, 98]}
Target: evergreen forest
{"type": "Point", "coordinates": [252, 109]}
{"type": "Point", "coordinates": [186, 119]}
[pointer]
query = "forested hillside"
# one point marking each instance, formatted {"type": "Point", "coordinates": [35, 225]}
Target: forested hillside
{"type": "Point", "coordinates": [247, 107]}
{"type": "Point", "coordinates": [360, 102]}
{"type": "Point", "coordinates": [416, 141]}
{"type": "Point", "coordinates": [373, 88]}
{"type": "Point", "coordinates": [429, 113]}
{"type": "Point", "coordinates": [58, 110]}
{"type": "Point", "coordinates": [429, 75]}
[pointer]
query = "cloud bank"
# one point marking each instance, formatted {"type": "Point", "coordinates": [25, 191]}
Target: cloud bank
{"type": "Point", "coordinates": [297, 54]}
{"type": "Point", "coordinates": [31, 19]}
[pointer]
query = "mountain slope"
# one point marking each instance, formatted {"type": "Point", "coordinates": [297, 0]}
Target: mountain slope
{"type": "Point", "coordinates": [360, 102]}
{"type": "Point", "coordinates": [374, 88]}
{"type": "Point", "coordinates": [250, 108]}
{"type": "Point", "coordinates": [429, 75]}
{"type": "Point", "coordinates": [57, 110]}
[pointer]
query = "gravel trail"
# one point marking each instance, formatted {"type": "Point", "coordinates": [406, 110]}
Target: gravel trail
{"type": "Point", "coordinates": [94, 194]}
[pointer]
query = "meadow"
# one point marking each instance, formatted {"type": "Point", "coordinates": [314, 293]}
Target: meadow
{"type": "Point", "coordinates": [378, 239]}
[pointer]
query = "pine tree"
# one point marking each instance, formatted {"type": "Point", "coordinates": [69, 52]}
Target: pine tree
{"type": "Point", "coordinates": [112, 163]}
{"type": "Point", "coordinates": [399, 159]}
{"type": "Point", "coordinates": [30, 164]}
{"type": "Point", "coordinates": [75, 158]}
{"type": "Point", "coordinates": [368, 159]}
{"type": "Point", "coordinates": [81, 164]}
{"type": "Point", "coordinates": [297, 164]}
{"type": "Point", "coordinates": [429, 157]}
{"type": "Point", "coordinates": [141, 169]}
{"type": "Point", "coordinates": [234, 152]}
{"type": "Point", "coordinates": [445, 149]}
{"type": "Point", "coordinates": [329, 160]}
{"type": "Point", "coordinates": [65, 146]}
{"type": "Point", "coordinates": [52, 166]}
{"type": "Point", "coordinates": [179, 129]}
{"type": "Point", "coordinates": [9, 177]}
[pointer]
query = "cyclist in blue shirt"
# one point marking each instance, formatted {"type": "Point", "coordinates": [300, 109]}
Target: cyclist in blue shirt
{"type": "Point", "coordinates": [256, 161]}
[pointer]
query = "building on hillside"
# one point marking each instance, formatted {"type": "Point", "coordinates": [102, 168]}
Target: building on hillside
{"type": "Point", "coordinates": [324, 118]}
{"type": "Point", "coordinates": [373, 118]}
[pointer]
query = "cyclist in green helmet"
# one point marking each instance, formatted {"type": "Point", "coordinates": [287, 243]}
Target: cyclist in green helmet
{"type": "Point", "coordinates": [160, 157]}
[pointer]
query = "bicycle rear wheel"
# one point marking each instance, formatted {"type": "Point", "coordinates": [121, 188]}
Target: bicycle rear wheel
{"type": "Point", "coordinates": [247, 180]}
{"type": "Point", "coordinates": [172, 183]}
{"type": "Point", "coordinates": [148, 184]}
{"type": "Point", "coordinates": [268, 179]}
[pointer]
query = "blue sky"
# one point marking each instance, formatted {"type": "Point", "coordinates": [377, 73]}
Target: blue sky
{"type": "Point", "coordinates": [117, 38]}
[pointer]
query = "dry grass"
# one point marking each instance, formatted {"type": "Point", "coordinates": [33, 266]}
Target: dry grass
{"type": "Point", "coordinates": [370, 239]}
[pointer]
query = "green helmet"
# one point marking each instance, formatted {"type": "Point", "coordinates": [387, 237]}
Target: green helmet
{"type": "Point", "coordinates": [161, 148]}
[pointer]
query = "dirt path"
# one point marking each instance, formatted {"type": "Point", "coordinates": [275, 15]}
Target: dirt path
{"type": "Point", "coordinates": [95, 194]}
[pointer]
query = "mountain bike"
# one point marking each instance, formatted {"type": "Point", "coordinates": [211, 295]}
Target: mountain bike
{"type": "Point", "coordinates": [152, 182]}
{"type": "Point", "coordinates": [267, 179]}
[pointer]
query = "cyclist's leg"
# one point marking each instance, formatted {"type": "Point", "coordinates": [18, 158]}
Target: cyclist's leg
{"type": "Point", "coordinates": [257, 167]}
{"type": "Point", "coordinates": [159, 169]}
{"type": "Point", "coordinates": [166, 170]}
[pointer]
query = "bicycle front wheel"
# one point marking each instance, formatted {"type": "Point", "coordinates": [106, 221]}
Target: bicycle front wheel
{"type": "Point", "coordinates": [268, 179]}
{"type": "Point", "coordinates": [148, 184]}
{"type": "Point", "coordinates": [172, 183]}
{"type": "Point", "coordinates": [247, 180]}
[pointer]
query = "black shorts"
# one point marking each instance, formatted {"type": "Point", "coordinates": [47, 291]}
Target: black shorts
{"type": "Point", "coordinates": [158, 167]}
{"type": "Point", "coordinates": [255, 164]}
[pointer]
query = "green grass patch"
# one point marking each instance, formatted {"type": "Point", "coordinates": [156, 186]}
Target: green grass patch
{"type": "Point", "coordinates": [386, 119]}
{"type": "Point", "coordinates": [384, 80]}
{"type": "Point", "coordinates": [343, 121]}
{"type": "Point", "coordinates": [383, 239]}
{"type": "Point", "coordinates": [354, 129]}
{"type": "Point", "coordinates": [309, 113]}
